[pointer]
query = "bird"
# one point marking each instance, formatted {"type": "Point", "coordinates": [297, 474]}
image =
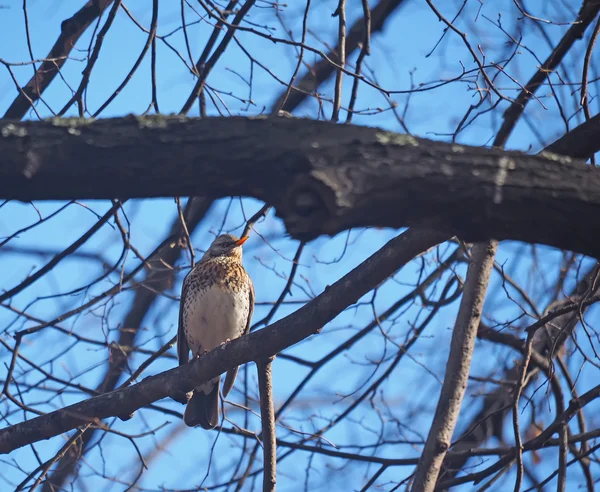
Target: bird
{"type": "Point", "coordinates": [217, 303]}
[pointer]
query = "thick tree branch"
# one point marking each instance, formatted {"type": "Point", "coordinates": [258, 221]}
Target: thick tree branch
{"type": "Point", "coordinates": [322, 178]}
{"type": "Point", "coordinates": [267, 417]}
{"type": "Point", "coordinates": [458, 367]}
{"type": "Point", "coordinates": [306, 321]}
{"type": "Point", "coordinates": [581, 142]}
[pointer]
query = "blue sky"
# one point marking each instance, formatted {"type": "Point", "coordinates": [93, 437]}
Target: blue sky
{"type": "Point", "coordinates": [398, 54]}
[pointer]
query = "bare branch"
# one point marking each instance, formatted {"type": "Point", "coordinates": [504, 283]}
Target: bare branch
{"type": "Point", "coordinates": [267, 415]}
{"type": "Point", "coordinates": [581, 142]}
{"type": "Point", "coordinates": [587, 14]}
{"type": "Point", "coordinates": [489, 420]}
{"type": "Point", "coordinates": [458, 367]}
{"type": "Point", "coordinates": [322, 70]}
{"type": "Point", "coordinates": [322, 178]}
{"type": "Point", "coordinates": [71, 31]}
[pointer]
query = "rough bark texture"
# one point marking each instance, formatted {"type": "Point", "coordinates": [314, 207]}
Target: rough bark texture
{"type": "Point", "coordinates": [322, 178]}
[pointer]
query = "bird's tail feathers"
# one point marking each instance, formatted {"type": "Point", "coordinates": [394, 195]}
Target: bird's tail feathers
{"type": "Point", "coordinates": [229, 380]}
{"type": "Point", "coordinates": [203, 408]}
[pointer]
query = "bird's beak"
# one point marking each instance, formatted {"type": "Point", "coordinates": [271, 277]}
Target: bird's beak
{"type": "Point", "coordinates": [241, 240]}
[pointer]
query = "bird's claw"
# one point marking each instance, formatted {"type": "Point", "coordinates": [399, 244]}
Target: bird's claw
{"type": "Point", "coordinates": [181, 397]}
{"type": "Point", "coordinates": [125, 418]}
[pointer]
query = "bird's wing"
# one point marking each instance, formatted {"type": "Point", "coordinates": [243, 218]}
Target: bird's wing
{"type": "Point", "coordinates": [232, 373]}
{"type": "Point", "coordinates": [251, 310]}
{"type": "Point", "coordinates": [183, 349]}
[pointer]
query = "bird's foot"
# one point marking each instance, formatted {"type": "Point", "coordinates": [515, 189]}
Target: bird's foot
{"type": "Point", "coordinates": [180, 396]}
{"type": "Point", "coordinates": [222, 346]}
{"type": "Point", "coordinates": [125, 418]}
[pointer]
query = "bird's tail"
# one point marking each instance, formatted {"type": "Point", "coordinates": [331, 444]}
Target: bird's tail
{"type": "Point", "coordinates": [203, 408]}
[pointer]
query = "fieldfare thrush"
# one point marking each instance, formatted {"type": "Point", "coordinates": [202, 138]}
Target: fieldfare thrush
{"type": "Point", "coordinates": [217, 302]}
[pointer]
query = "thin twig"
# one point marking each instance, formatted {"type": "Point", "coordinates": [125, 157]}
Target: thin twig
{"type": "Point", "coordinates": [64, 254]}
{"type": "Point", "coordinates": [255, 218]}
{"type": "Point", "coordinates": [205, 69]}
{"type": "Point", "coordinates": [48, 464]}
{"type": "Point", "coordinates": [562, 458]}
{"type": "Point", "coordinates": [186, 233]}
{"type": "Point", "coordinates": [339, 74]}
{"type": "Point", "coordinates": [365, 49]}
{"type": "Point", "coordinates": [518, 389]}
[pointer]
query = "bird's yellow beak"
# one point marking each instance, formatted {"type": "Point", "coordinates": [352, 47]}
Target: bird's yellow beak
{"type": "Point", "coordinates": [241, 240]}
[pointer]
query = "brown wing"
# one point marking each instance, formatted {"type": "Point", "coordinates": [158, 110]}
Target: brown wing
{"type": "Point", "coordinates": [232, 373]}
{"type": "Point", "coordinates": [251, 310]}
{"type": "Point", "coordinates": [183, 349]}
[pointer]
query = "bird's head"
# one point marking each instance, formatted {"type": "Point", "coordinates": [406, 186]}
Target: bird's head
{"type": "Point", "coordinates": [226, 245]}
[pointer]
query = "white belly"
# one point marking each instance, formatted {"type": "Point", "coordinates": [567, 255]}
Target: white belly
{"type": "Point", "coordinates": [212, 318]}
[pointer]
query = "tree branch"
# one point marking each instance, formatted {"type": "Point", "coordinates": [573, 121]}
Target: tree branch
{"type": "Point", "coordinates": [489, 420]}
{"type": "Point", "coordinates": [70, 31]}
{"type": "Point", "coordinates": [267, 417]}
{"type": "Point", "coordinates": [322, 178]}
{"type": "Point", "coordinates": [575, 405]}
{"type": "Point", "coordinates": [581, 142]}
{"type": "Point", "coordinates": [458, 367]}
{"type": "Point", "coordinates": [587, 14]}
{"type": "Point", "coordinates": [269, 341]}
{"type": "Point", "coordinates": [323, 69]}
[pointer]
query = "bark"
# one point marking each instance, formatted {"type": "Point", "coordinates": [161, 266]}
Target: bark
{"type": "Point", "coordinates": [458, 367]}
{"type": "Point", "coordinates": [322, 178]}
{"type": "Point", "coordinates": [267, 417]}
{"type": "Point", "coordinates": [581, 143]}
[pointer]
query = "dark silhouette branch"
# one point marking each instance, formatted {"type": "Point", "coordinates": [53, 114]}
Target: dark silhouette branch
{"type": "Point", "coordinates": [321, 178]}
{"type": "Point", "coordinates": [581, 143]}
